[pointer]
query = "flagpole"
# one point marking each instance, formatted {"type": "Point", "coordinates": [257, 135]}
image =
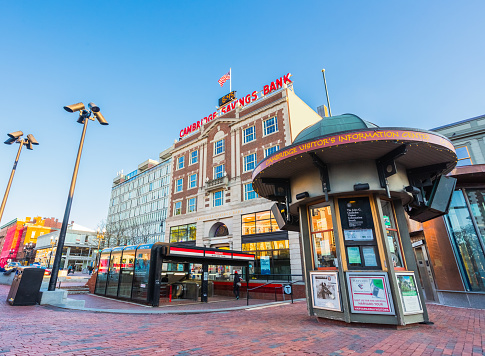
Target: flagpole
{"type": "Point", "coordinates": [230, 80]}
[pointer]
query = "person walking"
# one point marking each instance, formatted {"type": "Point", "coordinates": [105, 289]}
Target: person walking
{"type": "Point", "coordinates": [237, 284]}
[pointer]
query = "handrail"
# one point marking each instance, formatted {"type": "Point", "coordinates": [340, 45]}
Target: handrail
{"type": "Point", "coordinates": [275, 287]}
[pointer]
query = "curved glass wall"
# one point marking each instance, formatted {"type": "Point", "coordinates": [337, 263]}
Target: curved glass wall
{"type": "Point", "coordinates": [127, 269]}
{"type": "Point", "coordinates": [100, 287]}
{"type": "Point", "coordinates": [141, 272]}
{"type": "Point", "coordinates": [465, 241]}
{"type": "Point", "coordinates": [114, 272]}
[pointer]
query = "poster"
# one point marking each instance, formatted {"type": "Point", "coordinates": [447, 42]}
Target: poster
{"type": "Point", "coordinates": [356, 213]}
{"type": "Point", "coordinates": [369, 254]}
{"type": "Point", "coordinates": [369, 293]}
{"type": "Point", "coordinates": [265, 267]}
{"type": "Point", "coordinates": [353, 254]}
{"type": "Point", "coordinates": [325, 290]}
{"type": "Point", "coordinates": [409, 293]}
{"type": "Point", "coordinates": [359, 235]}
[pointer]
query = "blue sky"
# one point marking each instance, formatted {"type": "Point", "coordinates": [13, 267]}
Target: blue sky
{"type": "Point", "coordinates": [153, 66]}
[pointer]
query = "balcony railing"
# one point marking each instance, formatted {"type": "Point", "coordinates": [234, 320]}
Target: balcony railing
{"type": "Point", "coordinates": [216, 183]}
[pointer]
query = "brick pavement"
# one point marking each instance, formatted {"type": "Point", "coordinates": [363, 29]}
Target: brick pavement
{"type": "Point", "coordinates": [280, 330]}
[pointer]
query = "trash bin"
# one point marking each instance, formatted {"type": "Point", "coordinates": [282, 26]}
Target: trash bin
{"type": "Point", "coordinates": [25, 286]}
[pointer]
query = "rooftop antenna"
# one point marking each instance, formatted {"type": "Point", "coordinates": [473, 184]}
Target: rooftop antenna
{"type": "Point", "coordinates": [326, 92]}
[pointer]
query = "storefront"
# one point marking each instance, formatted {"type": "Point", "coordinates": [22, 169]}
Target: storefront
{"type": "Point", "coordinates": [346, 185]}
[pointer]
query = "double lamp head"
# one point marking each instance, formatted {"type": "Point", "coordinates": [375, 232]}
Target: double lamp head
{"type": "Point", "coordinates": [17, 137]}
{"type": "Point", "coordinates": [86, 114]}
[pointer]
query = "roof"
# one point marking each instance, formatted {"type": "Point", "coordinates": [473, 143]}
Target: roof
{"type": "Point", "coordinates": [458, 122]}
{"type": "Point", "coordinates": [78, 227]}
{"type": "Point", "coordinates": [333, 124]}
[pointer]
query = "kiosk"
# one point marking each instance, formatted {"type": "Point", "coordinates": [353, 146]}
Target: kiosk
{"type": "Point", "coordinates": [346, 185]}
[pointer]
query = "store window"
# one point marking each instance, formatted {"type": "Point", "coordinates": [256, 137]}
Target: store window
{"type": "Point", "coordinates": [359, 233]}
{"type": "Point", "coordinates": [269, 151]}
{"type": "Point", "coordinates": [258, 223]}
{"type": "Point", "coordinates": [218, 147]}
{"type": "Point", "coordinates": [463, 155]}
{"type": "Point", "coordinates": [183, 233]}
{"type": "Point", "coordinates": [192, 205]}
{"type": "Point", "coordinates": [466, 244]}
{"type": "Point", "coordinates": [181, 162]}
{"type": "Point", "coordinates": [323, 239]}
{"type": "Point", "coordinates": [249, 162]}
{"type": "Point", "coordinates": [219, 171]}
{"type": "Point", "coordinates": [272, 259]}
{"type": "Point", "coordinates": [476, 197]}
{"type": "Point", "coordinates": [249, 193]}
{"type": "Point", "coordinates": [194, 157]}
{"type": "Point", "coordinates": [249, 134]}
{"type": "Point", "coordinates": [193, 181]}
{"type": "Point", "coordinates": [270, 126]}
{"type": "Point", "coordinates": [392, 234]}
{"type": "Point", "coordinates": [218, 198]}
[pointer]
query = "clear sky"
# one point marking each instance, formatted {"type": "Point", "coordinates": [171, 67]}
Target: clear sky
{"type": "Point", "coordinates": [153, 66]}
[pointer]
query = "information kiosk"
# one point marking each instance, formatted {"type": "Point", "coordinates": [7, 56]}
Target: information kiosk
{"type": "Point", "coordinates": [144, 273]}
{"type": "Point", "coordinates": [346, 185]}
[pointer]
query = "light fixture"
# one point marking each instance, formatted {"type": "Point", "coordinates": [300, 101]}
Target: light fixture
{"type": "Point", "coordinates": [302, 195]}
{"type": "Point", "coordinates": [361, 186]}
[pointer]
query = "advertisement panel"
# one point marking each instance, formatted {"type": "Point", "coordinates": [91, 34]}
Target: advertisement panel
{"type": "Point", "coordinates": [325, 290]}
{"type": "Point", "coordinates": [409, 293]}
{"type": "Point", "coordinates": [369, 293]}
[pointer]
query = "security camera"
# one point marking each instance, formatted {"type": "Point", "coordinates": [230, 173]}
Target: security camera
{"type": "Point", "coordinates": [74, 107]}
{"type": "Point", "coordinates": [93, 107]}
{"type": "Point", "coordinates": [100, 117]}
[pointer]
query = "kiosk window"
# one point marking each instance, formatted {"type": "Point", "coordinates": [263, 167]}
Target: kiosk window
{"type": "Point", "coordinates": [323, 240]}
{"type": "Point", "coordinates": [392, 234]}
{"type": "Point", "coordinates": [102, 274]}
{"type": "Point", "coordinates": [126, 279]}
{"type": "Point", "coordinates": [114, 274]}
{"type": "Point", "coordinates": [359, 233]}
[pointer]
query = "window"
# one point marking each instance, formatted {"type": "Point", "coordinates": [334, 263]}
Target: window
{"type": "Point", "coordinates": [183, 233]}
{"type": "Point", "coordinates": [270, 126]}
{"type": "Point", "coordinates": [194, 157]}
{"type": "Point", "coordinates": [218, 147]}
{"type": "Point", "coordinates": [249, 193]}
{"type": "Point", "coordinates": [218, 198]}
{"type": "Point", "coordinates": [463, 155]}
{"type": "Point", "coordinates": [193, 180]}
{"type": "Point", "coordinates": [258, 223]}
{"type": "Point", "coordinates": [192, 205]}
{"type": "Point", "coordinates": [177, 210]}
{"type": "Point", "coordinates": [181, 162]}
{"type": "Point", "coordinates": [219, 171]}
{"type": "Point", "coordinates": [271, 150]}
{"type": "Point", "coordinates": [272, 259]}
{"type": "Point", "coordinates": [249, 162]}
{"type": "Point", "coordinates": [249, 134]}
{"type": "Point", "coordinates": [180, 183]}
{"type": "Point", "coordinates": [393, 240]}
{"type": "Point", "coordinates": [323, 240]}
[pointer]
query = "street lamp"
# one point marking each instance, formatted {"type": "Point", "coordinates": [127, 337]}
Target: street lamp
{"type": "Point", "coordinates": [84, 116]}
{"type": "Point", "coordinates": [16, 137]}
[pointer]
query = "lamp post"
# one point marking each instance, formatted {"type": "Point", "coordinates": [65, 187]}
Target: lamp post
{"type": "Point", "coordinates": [16, 137]}
{"type": "Point", "coordinates": [84, 116]}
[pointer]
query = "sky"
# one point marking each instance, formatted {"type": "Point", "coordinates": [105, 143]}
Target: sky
{"type": "Point", "coordinates": [153, 66]}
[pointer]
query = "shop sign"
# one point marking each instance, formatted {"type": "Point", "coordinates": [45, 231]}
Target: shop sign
{"type": "Point", "coordinates": [287, 289]}
{"type": "Point", "coordinates": [265, 266]}
{"type": "Point", "coordinates": [409, 293]}
{"type": "Point", "coordinates": [325, 290]}
{"type": "Point", "coordinates": [369, 293]}
{"type": "Point", "coordinates": [248, 99]}
{"type": "Point", "coordinates": [218, 254]}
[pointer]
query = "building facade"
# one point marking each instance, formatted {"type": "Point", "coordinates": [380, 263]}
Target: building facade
{"type": "Point", "coordinates": [213, 203]}
{"type": "Point", "coordinates": [19, 237]}
{"type": "Point", "coordinates": [139, 204]}
{"type": "Point", "coordinates": [80, 248]}
{"type": "Point", "coordinates": [450, 250]}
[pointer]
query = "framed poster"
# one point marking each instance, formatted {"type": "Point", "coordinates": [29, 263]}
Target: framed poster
{"type": "Point", "coordinates": [408, 291]}
{"type": "Point", "coordinates": [325, 290]}
{"type": "Point", "coordinates": [369, 293]}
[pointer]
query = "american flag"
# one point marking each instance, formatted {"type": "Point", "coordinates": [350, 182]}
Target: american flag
{"type": "Point", "coordinates": [224, 78]}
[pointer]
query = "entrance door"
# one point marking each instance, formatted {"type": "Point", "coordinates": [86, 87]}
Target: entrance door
{"type": "Point", "coordinates": [425, 273]}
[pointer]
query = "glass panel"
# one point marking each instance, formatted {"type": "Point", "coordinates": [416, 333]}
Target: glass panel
{"type": "Point", "coordinates": [393, 241]}
{"type": "Point", "coordinates": [462, 152]}
{"type": "Point", "coordinates": [248, 228]}
{"type": "Point", "coordinates": [476, 198]}
{"type": "Point", "coordinates": [102, 274]}
{"type": "Point", "coordinates": [465, 241]}
{"type": "Point", "coordinates": [321, 218]}
{"type": "Point", "coordinates": [140, 279]}
{"type": "Point", "coordinates": [126, 279]}
{"type": "Point", "coordinates": [263, 226]}
{"type": "Point", "coordinates": [464, 162]}
{"type": "Point", "coordinates": [263, 215]}
{"type": "Point", "coordinates": [192, 232]}
{"type": "Point", "coordinates": [114, 274]}
{"type": "Point", "coordinates": [324, 250]}
{"type": "Point", "coordinates": [248, 217]}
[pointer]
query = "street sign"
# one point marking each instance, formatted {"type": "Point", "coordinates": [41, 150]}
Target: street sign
{"type": "Point", "coordinates": [287, 289]}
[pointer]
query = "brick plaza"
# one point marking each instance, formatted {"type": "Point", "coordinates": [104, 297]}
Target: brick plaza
{"type": "Point", "coordinates": [283, 329]}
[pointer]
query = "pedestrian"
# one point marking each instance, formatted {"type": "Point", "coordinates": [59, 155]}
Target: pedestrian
{"type": "Point", "coordinates": [90, 269]}
{"type": "Point", "coordinates": [237, 284]}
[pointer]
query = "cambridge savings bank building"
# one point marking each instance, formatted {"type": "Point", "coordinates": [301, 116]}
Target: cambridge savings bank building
{"type": "Point", "coordinates": [213, 203]}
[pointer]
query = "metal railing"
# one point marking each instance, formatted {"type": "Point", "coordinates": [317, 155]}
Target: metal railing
{"type": "Point", "coordinates": [289, 282]}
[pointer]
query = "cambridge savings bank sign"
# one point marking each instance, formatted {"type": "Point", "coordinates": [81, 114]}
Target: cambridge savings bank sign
{"type": "Point", "coordinates": [248, 99]}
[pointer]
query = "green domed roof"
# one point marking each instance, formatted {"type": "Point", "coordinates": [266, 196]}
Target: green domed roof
{"type": "Point", "coordinates": [333, 124]}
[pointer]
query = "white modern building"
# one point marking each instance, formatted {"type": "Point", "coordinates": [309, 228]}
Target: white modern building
{"type": "Point", "coordinates": [139, 203]}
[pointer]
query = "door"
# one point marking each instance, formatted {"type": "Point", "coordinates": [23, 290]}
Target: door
{"type": "Point", "coordinates": [425, 272]}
